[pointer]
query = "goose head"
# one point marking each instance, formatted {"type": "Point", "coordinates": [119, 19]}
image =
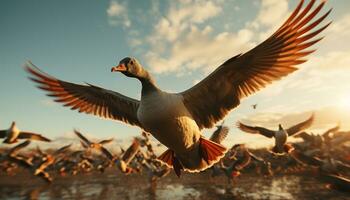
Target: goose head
{"type": "Point", "coordinates": [13, 126]}
{"type": "Point", "coordinates": [130, 67]}
{"type": "Point", "coordinates": [280, 128]}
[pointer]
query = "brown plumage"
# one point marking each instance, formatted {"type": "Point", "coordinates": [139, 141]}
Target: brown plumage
{"type": "Point", "coordinates": [86, 143]}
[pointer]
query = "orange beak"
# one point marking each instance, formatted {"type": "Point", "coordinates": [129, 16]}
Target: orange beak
{"type": "Point", "coordinates": [119, 68]}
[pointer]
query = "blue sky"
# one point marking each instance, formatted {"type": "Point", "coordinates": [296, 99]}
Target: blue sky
{"type": "Point", "coordinates": [180, 42]}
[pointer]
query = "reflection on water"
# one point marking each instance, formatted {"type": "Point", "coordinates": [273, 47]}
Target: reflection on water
{"type": "Point", "coordinates": [189, 187]}
{"type": "Point", "coordinates": [177, 192]}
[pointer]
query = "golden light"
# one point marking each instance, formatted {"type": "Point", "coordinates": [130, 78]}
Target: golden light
{"type": "Point", "coordinates": [344, 102]}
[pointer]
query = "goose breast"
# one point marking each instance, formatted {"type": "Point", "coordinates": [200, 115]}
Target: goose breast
{"type": "Point", "coordinates": [165, 116]}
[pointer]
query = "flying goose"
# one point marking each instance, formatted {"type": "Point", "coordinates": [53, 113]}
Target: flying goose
{"type": "Point", "coordinates": [12, 135]}
{"type": "Point", "coordinates": [13, 152]}
{"type": "Point", "coordinates": [24, 161]}
{"type": "Point", "coordinates": [95, 145]}
{"type": "Point", "coordinates": [146, 142]}
{"type": "Point", "coordinates": [281, 135]}
{"type": "Point", "coordinates": [328, 134]}
{"type": "Point", "coordinates": [220, 133]}
{"type": "Point", "coordinates": [240, 162]}
{"type": "Point", "coordinates": [128, 156]}
{"type": "Point", "coordinates": [176, 119]}
{"type": "Point", "coordinates": [49, 159]}
{"type": "Point", "coordinates": [218, 136]}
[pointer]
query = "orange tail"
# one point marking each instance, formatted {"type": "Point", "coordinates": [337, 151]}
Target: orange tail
{"type": "Point", "coordinates": [211, 151]}
{"type": "Point", "coordinates": [288, 148]}
{"type": "Point", "coordinates": [169, 158]}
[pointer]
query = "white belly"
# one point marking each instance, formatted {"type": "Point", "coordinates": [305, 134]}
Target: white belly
{"type": "Point", "coordinates": [167, 119]}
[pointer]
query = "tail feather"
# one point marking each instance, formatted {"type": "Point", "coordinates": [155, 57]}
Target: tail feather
{"type": "Point", "coordinates": [211, 151]}
{"type": "Point", "coordinates": [167, 157]}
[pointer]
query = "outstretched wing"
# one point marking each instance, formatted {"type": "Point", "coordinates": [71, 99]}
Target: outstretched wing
{"type": "Point", "coordinates": [89, 99]}
{"type": "Point", "coordinates": [212, 98]}
{"type": "Point", "coordinates": [32, 136]}
{"type": "Point", "coordinates": [256, 130]}
{"type": "Point", "coordinates": [301, 126]}
{"type": "Point", "coordinates": [131, 151]}
{"type": "Point", "coordinates": [103, 142]}
{"type": "Point", "coordinates": [107, 153]}
{"type": "Point", "coordinates": [18, 147]}
{"type": "Point", "coordinates": [327, 135]}
{"type": "Point", "coordinates": [219, 134]}
{"type": "Point", "coordinates": [305, 136]}
{"type": "Point", "coordinates": [83, 138]}
{"type": "Point", "coordinates": [62, 149]}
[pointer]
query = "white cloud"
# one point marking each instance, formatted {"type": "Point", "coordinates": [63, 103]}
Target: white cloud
{"type": "Point", "coordinates": [341, 27]}
{"type": "Point", "coordinates": [181, 16]}
{"type": "Point", "coordinates": [332, 61]}
{"type": "Point", "coordinates": [189, 46]}
{"type": "Point", "coordinates": [196, 50]}
{"type": "Point", "coordinates": [117, 14]}
{"type": "Point", "coordinates": [272, 12]}
{"type": "Point", "coordinates": [271, 15]}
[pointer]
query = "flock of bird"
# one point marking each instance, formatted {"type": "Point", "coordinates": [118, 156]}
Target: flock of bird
{"type": "Point", "coordinates": [327, 155]}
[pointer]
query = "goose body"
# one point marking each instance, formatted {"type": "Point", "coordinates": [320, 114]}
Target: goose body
{"type": "Point", "coordinates": [176, 120]}
{"type": "Point", "coordinates": [280, 140]}
{"type": "Point", "coordinates": [166, 117]}
{"type": "Point", "coordinates": [12, 135]}
{"type": "Point", "coordinates": [280, 136]}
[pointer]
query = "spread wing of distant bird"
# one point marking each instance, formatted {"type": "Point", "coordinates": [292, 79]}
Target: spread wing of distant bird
{"type": "Point", "coordinates": [219, 134]}
{"type": "Point", "coordinates": [130, 153]}
{"type": "Point", "coordinates": [305, 136]}
{"type": "Point", "coordinates": [107, 153]}
{"type": "Point", "coordinates": [326, 135]}
{"type": "Point", "coordinates": [62, 149]}
{"type": "Point", "coordinates": [83, 138]}
{"type": "Point", "coordinates": [106, 141]}
{"type": "Point", "coordinates": [301, 126]}
{"type": "Point", "coordinates": [18, 147]}
{"type": "Point", "coordinates": [247, 73]}
{"type": "Point", "coordinates": [32, 136]}
{"type": "Point", "coordinates": [256, 130]}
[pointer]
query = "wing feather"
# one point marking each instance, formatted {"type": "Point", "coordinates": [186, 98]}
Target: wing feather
{"type": "Point", "coordinates": [32, 136]}
{"type": "Point", "coordinates": [301, 126]}
{"type": "Point", "coordinates": [242, 75]}
{"type": "Point", "coordinates": [87, 98]}
{"type": "Point", "coordinates": [256, 130]}
{"type": "Point", "coordinates": [220, 134]}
